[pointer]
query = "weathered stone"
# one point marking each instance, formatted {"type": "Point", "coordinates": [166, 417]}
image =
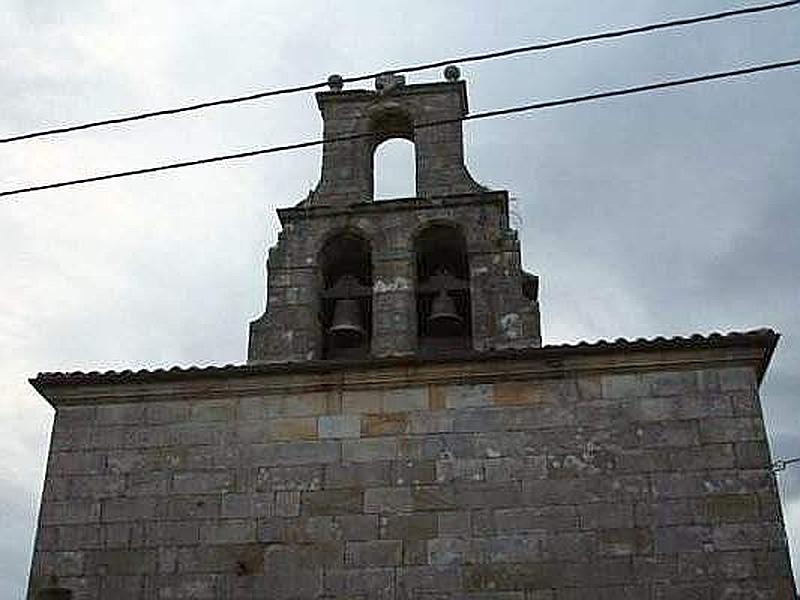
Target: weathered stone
{"type": "Point", "coordinates": [339, 426]}
{"type": "Point", "coordinates": [369, 449]}
{"type": "Point", "coordinates": [333, 502]}
{"type": "Point", "coordinates": [385, 424]}
{"type": "Point", "coordinates": [376, 553]}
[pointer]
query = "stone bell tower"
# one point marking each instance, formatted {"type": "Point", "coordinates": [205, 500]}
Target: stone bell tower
{"type": "Point", "coordinates": [437, 273]}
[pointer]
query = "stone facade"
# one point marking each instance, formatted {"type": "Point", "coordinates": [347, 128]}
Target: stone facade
{"type": "Point", "coordinates": [627, 470]}
{"type": "Point", "coordinates": [399, 433]}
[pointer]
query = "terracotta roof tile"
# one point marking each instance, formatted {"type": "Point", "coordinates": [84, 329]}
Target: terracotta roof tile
{"type": "Point", "coordinates": [764, 337]}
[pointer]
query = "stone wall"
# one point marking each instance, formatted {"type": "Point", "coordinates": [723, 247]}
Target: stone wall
{"type": "Point", "coordinates": [641, 475]}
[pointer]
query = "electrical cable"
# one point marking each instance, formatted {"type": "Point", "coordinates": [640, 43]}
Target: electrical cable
{"type": "Point", "coordinates": [782, 463]}
{"type": "Point", "coordinates": [473, 117]}
{"type": "Point", "coordinates": [409, 69]}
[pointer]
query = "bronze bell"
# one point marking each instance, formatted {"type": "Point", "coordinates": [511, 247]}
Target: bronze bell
{"type": "Point", "coordinates": [347, 326]}
{"type": "Point", "coordinates": [444, 321]}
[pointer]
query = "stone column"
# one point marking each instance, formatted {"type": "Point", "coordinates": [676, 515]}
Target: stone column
{"type": "Point", "coordinates": [394, 311]}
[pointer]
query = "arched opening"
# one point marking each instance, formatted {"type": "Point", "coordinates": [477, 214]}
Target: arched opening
{"type": "Point", "coordinates": [444, 312]}
{"type": "Point", "coordinates": [394, 170]}
{"type": "Point", "coordinates": [346, 296]}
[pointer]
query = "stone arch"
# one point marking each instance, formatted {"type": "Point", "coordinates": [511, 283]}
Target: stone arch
{"type": "Point", "coordinates": [344, 280]}
{"type": "Point", "coordinates": [390, 122]}
{"type": "Point", "coordinates": [442, 287]}
{"type": "Point", "coordinates": [365, 119]}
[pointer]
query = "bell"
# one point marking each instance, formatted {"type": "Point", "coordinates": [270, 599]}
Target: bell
{"type": "Point", "coordinates": [444, 321]}
{"type": "Point", "coordinates": [347, 327]}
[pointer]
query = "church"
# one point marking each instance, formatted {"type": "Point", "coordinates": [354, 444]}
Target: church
{"type": "Point", "coordinates": [399, 432]}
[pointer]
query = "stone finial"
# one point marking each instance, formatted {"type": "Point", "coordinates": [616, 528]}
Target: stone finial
{"type": "Point", "coordinates": [452, 73]}
{"type": "Point", "coordinates": [385, 83]}
{"type": "Point", "coordinates": [335, 82]}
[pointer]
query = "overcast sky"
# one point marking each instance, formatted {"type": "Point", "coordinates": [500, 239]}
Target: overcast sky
{"type": "Point", "coordinates": [661, 214]}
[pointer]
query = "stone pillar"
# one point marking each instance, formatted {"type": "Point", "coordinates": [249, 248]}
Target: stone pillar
{"type": "Point", "coordinates": [394, 311]}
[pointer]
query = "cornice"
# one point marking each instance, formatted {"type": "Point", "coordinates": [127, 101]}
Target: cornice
{"type": "Point", "coordinates": [752, 349]}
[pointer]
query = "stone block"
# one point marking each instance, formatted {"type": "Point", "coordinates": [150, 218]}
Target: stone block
{"type": "Point", "coordinates": [405, 399]}
{"type": "Point", "coordinates": [120, 414]}
{"type": "Point", "coordinates": [287, 503]}
{"type": "Point", "coordinates": [733, 379]}
{"type": "Point", "coordinates": [362, 401]}
{"type": "Point", "coordinates": [624, 542]}
{"type": "Point", "coordinates": [671, 383]}
{"type": "Point", "coordinates": [64, 563]}
{"type": "Point", "coordinates": [290, 558]}
{"type": "Point", "coordinates": [72, 463]}
{"type": "Point", "coordinates": [356, 527]}
{"type": "Point", "coordinates": [190, 507]}
{"type": "Point", "coordinates": [430, 422]}
{"type": "Point", "coordinates": [747, 536]}
{"type": "Point", "coordinates": [367, 583]}
{"type": "Point", "coordinates": [498, 577]}
{"type": "Point", "coordinates": [388, 500]}
{"type": "Point", "coordinates": [294, 453]}
{"type": "Point", "coordinates": [287, 405]}
{"type": "Point", "coordinates": [681, 407]}
{"type": "Point", "coordinates": [129, 509]}
{"type": "Point", "coordinates": [460, 470]}
{"type": "Point", "coordinates": [213, 410]}
{"type": "Point", "coordinates": [486, 495]}
{"type": "Point", "coordinates": [667, 434]}
{"type": "Point", "coordinates": [369, 449]}
{"type": "Point", "coordinates": [70, 417]}
{"type": "Point", "coordinates": [299, 530]}
{"type": "Point", "coordinates": [507, 521]}
{"type": "Point", "coordinates": [173, 411]}
{"type": "Point", "coordinates": [453, 524]}
{"type": "Point", "coordinates": [624, 386]}
{"type": "Point", "coordinates": [332, 502]}
{"type": "Point", "coordinates": [685, 538]}
{"type": "Point", "coordinates": [172, 533]}
{"type": "Point", "coordinates": [228, 531]}
{"type": "Point", "coordinates": [416, 580]}
{"type": "Point", "coordinates": [385, 424]}
{"type": "Point", "coordinates": [124, 562]}
{"type": "Point", "coordinates": [741, 429]}
{"type": "Point", "coordinates": [358, 475]}
{"type": "Point", "coordinates": [517, 548]}
{"type": "Point", "coordinates": [711, 456]}
{"type": "Point", "coordinates": [375, 553]}
{"type": "Point", "coordinates": [435, 497]}
{"type": "Point", "coordinates": [301, 477]}
{"type": "Point", "coordinates": [339, 426]}
{"type": "Point", "coordinates": [752, 455]}
{"type": "Point", "coordinates": [448, 551]}
{"type": "Point", "coordinates": [414, 472]}
{"type": "Point", "coordinates": [605, 515]}
{"type": "Point", "coordinates": [468, 396]}
{"type": "Point", "coordinates": [515, 468]}
{"type": "Point", "coordinates": [416, 526]}
{"type": "Point", "coordinates": [203, 482]}
{"type": "Point", "coordinates": [217, 558]}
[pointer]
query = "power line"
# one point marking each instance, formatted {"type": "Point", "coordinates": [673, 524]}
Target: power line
{"type": "Point", "coordinates": [782, 463]}
{"type": "Point", "coordinates": [482, 115]}
{"type": "Point", "coordinates": [409, 69]}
